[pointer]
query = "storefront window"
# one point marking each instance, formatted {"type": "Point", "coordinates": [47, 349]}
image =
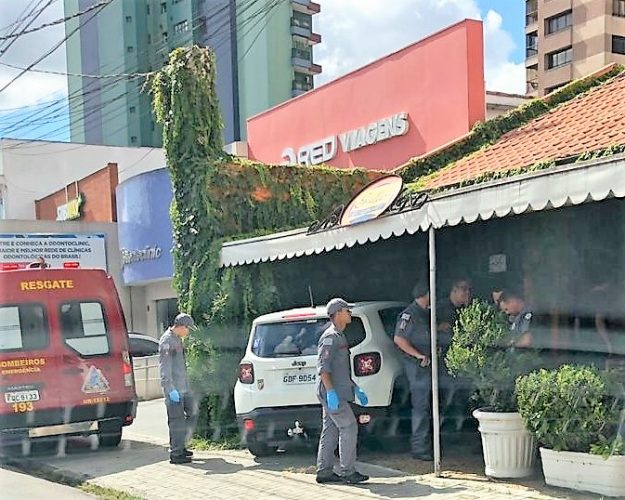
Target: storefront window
{"type": "Point", "coordinates": [166, 311]}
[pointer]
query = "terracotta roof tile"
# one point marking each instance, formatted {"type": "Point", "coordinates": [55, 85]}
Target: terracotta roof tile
{"type": "Point", "coordinates": [589, 122]}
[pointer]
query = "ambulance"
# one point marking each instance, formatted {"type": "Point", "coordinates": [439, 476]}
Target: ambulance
{"type": "Point", "coordinates": [65, 368]}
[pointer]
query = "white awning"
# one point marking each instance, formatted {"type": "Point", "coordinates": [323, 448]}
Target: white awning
{"type": "Point", "coordinates": [554, 188]}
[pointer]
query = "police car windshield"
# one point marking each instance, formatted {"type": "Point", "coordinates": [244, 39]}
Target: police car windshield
{"type": "Point", "coordinates": [294, 338]}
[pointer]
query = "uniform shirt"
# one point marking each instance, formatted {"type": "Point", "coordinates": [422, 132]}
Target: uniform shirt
{"type": "Point", "coordinates": [413, 324]}
{"type": "Point", "coordinates": [333, 358]}
{"type": "Point", "coordinates": [447, 313]}
{"type": "Point", "coordinates": [171, 362]}
{"type": "Point", "coordinates": [520, 324]}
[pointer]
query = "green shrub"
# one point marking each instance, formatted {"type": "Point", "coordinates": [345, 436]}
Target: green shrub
{"type": "Point", "coordinates": [480, 351]}
{"type": "Point", "coordinates": [570, 408]}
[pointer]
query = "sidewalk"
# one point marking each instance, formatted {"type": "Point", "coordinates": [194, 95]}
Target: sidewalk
{"type": "Point", "coordinates": [141, 467]}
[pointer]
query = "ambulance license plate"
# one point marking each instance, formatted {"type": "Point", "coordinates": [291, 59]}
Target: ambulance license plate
{"type": "Point", "coordinates": [21, 396]}
{"type": "Point", "coordinates": [299, 378]}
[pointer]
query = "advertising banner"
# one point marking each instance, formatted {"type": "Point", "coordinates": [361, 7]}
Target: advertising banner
{"type": "Point", "coordinates": [84, 251]}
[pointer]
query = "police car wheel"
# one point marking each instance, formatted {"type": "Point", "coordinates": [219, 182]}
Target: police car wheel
{"type": "Point", "coordinates": [260, 449]}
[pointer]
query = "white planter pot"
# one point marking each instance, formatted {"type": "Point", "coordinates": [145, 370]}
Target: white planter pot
{"type": "Point", "coordinates": [584, 472]}
{"type": "Point", "coordinates": [509, 448]}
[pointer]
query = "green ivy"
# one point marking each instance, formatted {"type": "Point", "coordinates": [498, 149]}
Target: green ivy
{"type": "Point", "coordinates": [487, 133]}
{"type": "Point", "coordinates": [217, 197]}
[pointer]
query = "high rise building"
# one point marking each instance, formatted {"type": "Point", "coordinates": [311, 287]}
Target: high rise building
{"type": "Point", "coordinates": [263, 49]}
{"type": "Point", "coordinates": [568, 39]}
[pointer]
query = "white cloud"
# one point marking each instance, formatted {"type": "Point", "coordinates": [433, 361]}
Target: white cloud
{"type": "Point", "coordinates": [32, 88]}
{"type": "Point", "coordinates": [356, 32]}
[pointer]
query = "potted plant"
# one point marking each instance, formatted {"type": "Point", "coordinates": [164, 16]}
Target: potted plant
{"type": "Point", "coordinates": [574, 413]}
{"type": "Point", "coordinates": [480, 350]}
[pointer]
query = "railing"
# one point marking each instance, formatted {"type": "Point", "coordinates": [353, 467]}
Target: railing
{"type": "Point", "coordinates": [302, 54]}
{"type": "Point", "coordinates": [618, 8]}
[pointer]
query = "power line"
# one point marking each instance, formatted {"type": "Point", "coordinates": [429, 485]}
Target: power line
{"type": "Point", "coordinates": [19, 20]}
{"type": "Point", "coordinates": [50, 51]}
{"type": "Point", "coordinates": [53, 23]}
{"type": "Point", "coordinates": [31, 21]}
{"type": "Point", "coordinates": [62, 73]}
{"type": "Point", "coordinates": [263, 13]}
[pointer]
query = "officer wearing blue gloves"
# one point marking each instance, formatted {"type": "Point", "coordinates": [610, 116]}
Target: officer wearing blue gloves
{"type": "Point", "coordinates": [335, 390]}
{"type": "Point", "coordinates": [181, 409]}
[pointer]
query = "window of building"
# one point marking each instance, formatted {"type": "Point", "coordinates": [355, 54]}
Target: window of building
{"type": "Point", "coordinates": [618, 44]}
{"type": "Point", "coordinates": [128, 19]}
{"type": "Point", "coordinates": [163, 7]}
{"type": "Point", "coordinates": [23, 327]}
{"type": "Point", "coordinates": [531, 44]}
{"type": "Point", "coordinates": [531, 77]}
{"type": "Point", "coordinates": [301, 20]}
{"type": "Point", "coordinates": [147, 9]}
{"type": "Point", "coordinates": [130, 49]}
{"type": "Point", "coordinates": [149, 38]}
{"type": "Point", "coordinates": [559, 58]}
{"type": "Point", "coordinates": [531, 12]}
{"type": "Point", "coordinates": [84, 328]}
{"type": "Point", "coordinates": [165, 36]}
{"type": "Point", "coordinates": [133, 139]}
{"type": "Point", "coordinates": [132, 109]}
{"type": "Point", "coordinates": [181, 27]}
{"type": "Point", "coordinates": [302, 81]}
{"type": "Point", "coordinates": [559, 22]}
{"type": "Point", "coordinates": [618, 8]}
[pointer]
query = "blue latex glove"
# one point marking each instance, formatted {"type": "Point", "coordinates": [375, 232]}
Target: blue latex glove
{"type": "Point", "coordinates": [332, 398]}
{"type": "Point", "coordinates": [362, 396]}
{"type": "Point", "coordinates": [174, 396]}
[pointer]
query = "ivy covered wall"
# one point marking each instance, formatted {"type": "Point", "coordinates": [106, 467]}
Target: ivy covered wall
{"type": "Point", "coordinates": [219, 198]}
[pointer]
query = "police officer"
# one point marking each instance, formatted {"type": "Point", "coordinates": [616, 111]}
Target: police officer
{"type": "Point", "coordinates": [520, 315]}
{"type": "Point", "coordinates": [181, 410]}
{"type": "Point", "coordinates": [335, 390]}
{"type": "Point", "coordinates": [449, 309]}
{"type": "Point", "coordinates": [412, 336]}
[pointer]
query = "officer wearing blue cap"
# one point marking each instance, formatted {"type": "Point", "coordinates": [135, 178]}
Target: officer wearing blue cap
{"type": "Point", "coordinates": [181, 409]}
{"type": "Point", "coordinates": [335, 390]}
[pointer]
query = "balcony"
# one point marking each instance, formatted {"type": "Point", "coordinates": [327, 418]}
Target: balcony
{"type": "Point", "coordinates": [304, 32]}
{"type": "Point", "coordinates": [306, 6]}
{"type": "Point", "coordinates": [300, 87]}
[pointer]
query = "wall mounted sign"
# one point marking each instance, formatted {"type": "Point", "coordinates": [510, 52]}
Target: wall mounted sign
{"type": "Point", "coordinates": [148, 253]}
{"type": "Point", "coordinates": [72, 209]}
{"type": "Point", "coordinates": [373, 200]}
{"type": "Point", "coordinates": [325, 149]}
{"type": "Point", "coordinates": [60, 250]}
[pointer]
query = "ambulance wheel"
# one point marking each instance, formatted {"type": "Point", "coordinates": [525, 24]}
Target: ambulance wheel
{"type": "Point", "coordinates": [260, 449]}
{"type": "Point", "coordinates": [110, 435]}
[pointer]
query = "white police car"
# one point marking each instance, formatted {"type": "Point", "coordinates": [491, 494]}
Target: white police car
{"type": "Point", "coordinates": [275, 395]}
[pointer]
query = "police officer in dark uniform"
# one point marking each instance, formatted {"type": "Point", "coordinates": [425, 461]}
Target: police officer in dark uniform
{"type": "Point", "coordinates": [413, 337]}
{"type": "Point", "coordinates": [181, 409]}
{"type": "Point", "coordinates": [520, 315]}
{"type": "Point", "coordinates": [335, 391]}
{"type": "Point", "coordinates": [449, 308]}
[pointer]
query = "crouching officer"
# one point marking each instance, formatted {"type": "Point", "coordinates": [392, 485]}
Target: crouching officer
{"type": "Point", "coordinates": [335, 390]}
{"type": "Point", "coordinates": [412, 336]}
{"type": "Point", "coordinates": [181, 409]}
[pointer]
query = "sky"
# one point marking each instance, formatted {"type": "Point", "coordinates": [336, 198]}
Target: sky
{"type": "Point", "coordinates": [345, 25]}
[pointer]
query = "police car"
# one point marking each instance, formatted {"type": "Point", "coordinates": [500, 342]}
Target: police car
{"type": "Point", "coordinates": [275, 396]}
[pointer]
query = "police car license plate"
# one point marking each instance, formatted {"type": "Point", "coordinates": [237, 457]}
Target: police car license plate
{"type": "Point", "coordinates": [21, 396]}
{"type": "Point", "coordinates": [299, 378]}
